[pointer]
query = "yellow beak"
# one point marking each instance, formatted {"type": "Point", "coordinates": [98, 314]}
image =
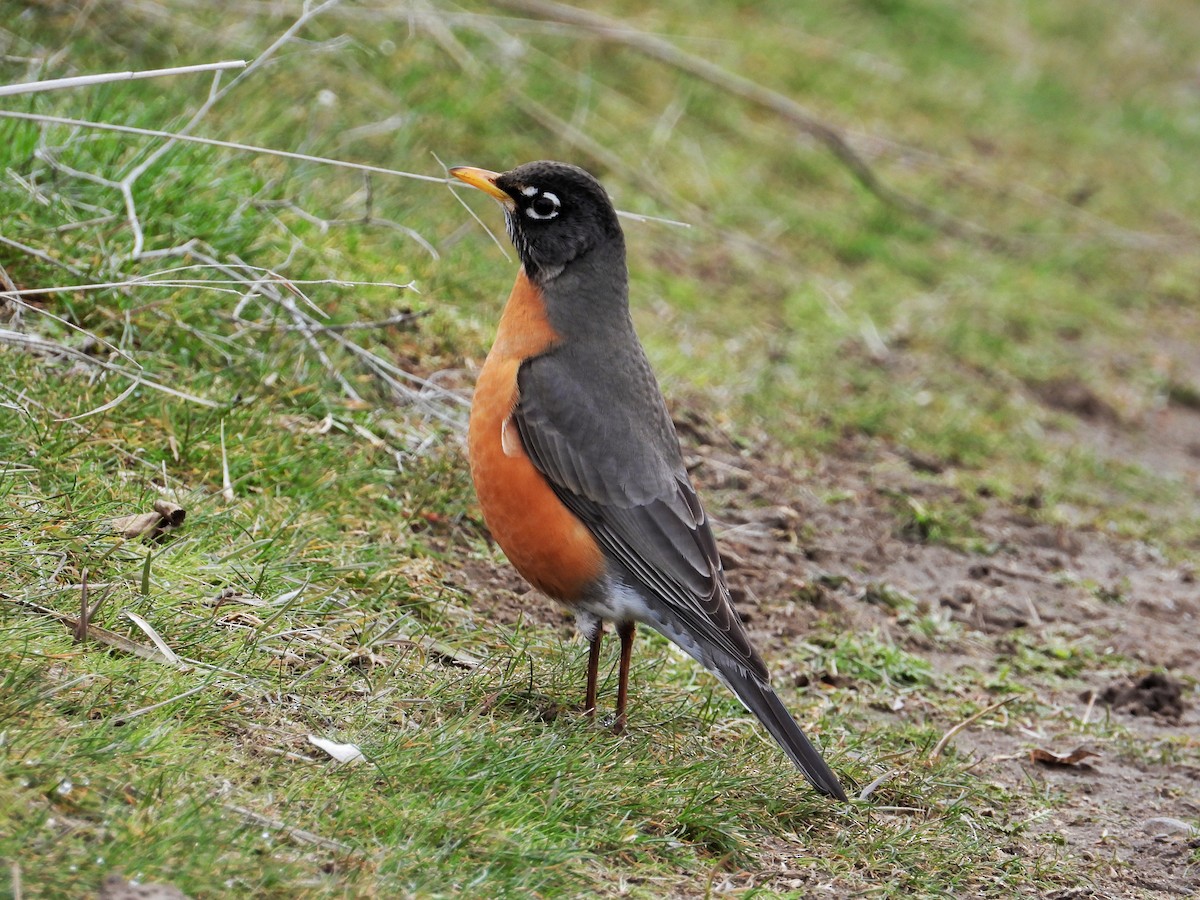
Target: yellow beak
{"type": "Point", "coordinates": [484, 180]}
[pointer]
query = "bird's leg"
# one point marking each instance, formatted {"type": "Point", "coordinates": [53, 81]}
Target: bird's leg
{"type": "Point", "coordinates": [625, 632]}
{"type": "Point", "coordinates": [593, 670]}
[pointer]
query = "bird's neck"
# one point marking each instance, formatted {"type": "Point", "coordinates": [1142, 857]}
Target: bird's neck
{"type": "Point", "coordinates": [591, 293]}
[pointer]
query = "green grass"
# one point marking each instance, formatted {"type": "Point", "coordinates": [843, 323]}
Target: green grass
{"type": "Point", "coordinates": [320, 597]}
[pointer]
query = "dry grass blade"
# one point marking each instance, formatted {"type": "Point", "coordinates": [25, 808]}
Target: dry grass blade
{"type": "Point", "coordinates": [213, 142]}
{"type": "Point", "coordinates": [95, 632]}
{"type": "Point", "coordinates": [297, 834]}
{"type": "Point", "coordinates": [1077, 757]}
{"type": "Point", "coordinates": [43, 345]}
{"type": "Point", "coordinates": [154, 636]}
{"type": "Point", "coordinates": [128, 717]}
{"type": "Point", "coordinates": [341, 753]}
{"type": "Point", "coordinates": [57, 84]}
{"type": "Point", "coordinates": [865, 793]}
{"type": "Point", "coordinates": [88, 612]}
{"type": "Point", "coordinates": [226, 483]}
{"type": "Point", "coordinates": [965, 723]}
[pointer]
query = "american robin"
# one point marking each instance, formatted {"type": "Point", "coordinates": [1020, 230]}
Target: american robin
{"type": "Point", "coordinates": [575, 459]}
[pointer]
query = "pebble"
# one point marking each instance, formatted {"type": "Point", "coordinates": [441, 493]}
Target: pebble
{"type": "Point", "coordinates": [1161, 826]}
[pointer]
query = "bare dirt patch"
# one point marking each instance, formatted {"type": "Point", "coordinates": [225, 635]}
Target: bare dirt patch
{"type": "Point", "coordinates": [1161, 432]}
{"type": "Point", "coordinates": [1154, 694]}
{"type": "Point", "coordinates": [797, 558]}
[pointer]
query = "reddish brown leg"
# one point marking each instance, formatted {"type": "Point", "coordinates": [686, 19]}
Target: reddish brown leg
{"type": "Point", "coordinates": [625, 632]}
{"type": "Point", "coordinates": [593, 672]}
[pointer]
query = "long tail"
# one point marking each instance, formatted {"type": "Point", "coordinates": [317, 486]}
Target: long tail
{"type": "Point", "coordinates": [761, 700]}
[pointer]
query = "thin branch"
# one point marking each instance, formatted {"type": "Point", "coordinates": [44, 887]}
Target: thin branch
{"type": "Point", "coordinates": [470, 212]}
{"type": "Point", "coordinates": [264, 151]}
{"type": "Point", "coordinates": [399, 319]}
{"type": "Point", "coordinates": [389, 374]}
{"type": "Point", "coordinates": [215, 95]}
{"type": "Point", "coordinates": [154, 279]}
{"type": "Point", "coordinates": [832, 138]}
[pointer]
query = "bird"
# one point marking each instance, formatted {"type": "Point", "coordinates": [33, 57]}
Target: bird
{"type": "Point", "coordinates": [577, 467]}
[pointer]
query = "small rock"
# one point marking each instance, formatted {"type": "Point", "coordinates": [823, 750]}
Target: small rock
{"type": "Point", "coordinates": [1162, 826]}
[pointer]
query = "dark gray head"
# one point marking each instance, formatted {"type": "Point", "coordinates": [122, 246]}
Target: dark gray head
{"type": "Point", "coordinates": [555, 213]}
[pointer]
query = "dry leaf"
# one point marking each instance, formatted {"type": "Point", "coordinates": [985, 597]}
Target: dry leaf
{"type": "Point", "coordinates": [343, 753]}
{"type": "Point", "coordinates": [166, 515]}
{"type": "Point", "coordinates": [1074, 758]}
{"type": "Point", "coordinates": [172, 513]}
{"type": "Point", "coordinates": [154, 636]}
{"type": "Point", "coordinates": [136, 526]}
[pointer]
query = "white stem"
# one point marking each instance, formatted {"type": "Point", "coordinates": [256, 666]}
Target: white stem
{"type": "Point", "coordinates": [56, 84]}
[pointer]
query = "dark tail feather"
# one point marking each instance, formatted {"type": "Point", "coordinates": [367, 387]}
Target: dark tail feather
{"type": "Point", "coordinates": [761, 700]}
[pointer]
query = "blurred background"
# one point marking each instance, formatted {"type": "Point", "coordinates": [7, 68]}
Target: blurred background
{"type": "Point", "coordinates": [937, 225]}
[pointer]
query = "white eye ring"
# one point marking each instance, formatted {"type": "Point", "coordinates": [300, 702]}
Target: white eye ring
{"type": "Point", "coordinates": [549, 214]}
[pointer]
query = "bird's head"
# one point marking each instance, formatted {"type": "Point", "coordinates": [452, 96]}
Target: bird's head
{"type": "Point", "coordinates": [555, 213]}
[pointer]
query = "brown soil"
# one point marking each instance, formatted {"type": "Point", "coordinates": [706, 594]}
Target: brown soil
{"type": "Point", "coordinates": [794, 558]}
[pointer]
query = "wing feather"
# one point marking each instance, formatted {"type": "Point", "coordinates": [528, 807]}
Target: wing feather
{"type": "Point", "coordinates": [622, 473]}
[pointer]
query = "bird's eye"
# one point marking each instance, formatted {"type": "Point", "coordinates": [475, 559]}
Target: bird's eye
{"type": "Point", "coordinates": [543, 206]}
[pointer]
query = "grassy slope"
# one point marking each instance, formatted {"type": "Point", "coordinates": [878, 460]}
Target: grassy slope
{"type": "Point", "coordinates": [332, 554]}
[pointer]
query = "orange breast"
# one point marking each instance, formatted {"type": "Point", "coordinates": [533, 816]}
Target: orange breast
{"type": "Point", "coordinates": [542, 538]}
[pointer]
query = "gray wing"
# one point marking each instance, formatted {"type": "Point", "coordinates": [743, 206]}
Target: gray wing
{"type": "Point", "coordinates": [618, 467]}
